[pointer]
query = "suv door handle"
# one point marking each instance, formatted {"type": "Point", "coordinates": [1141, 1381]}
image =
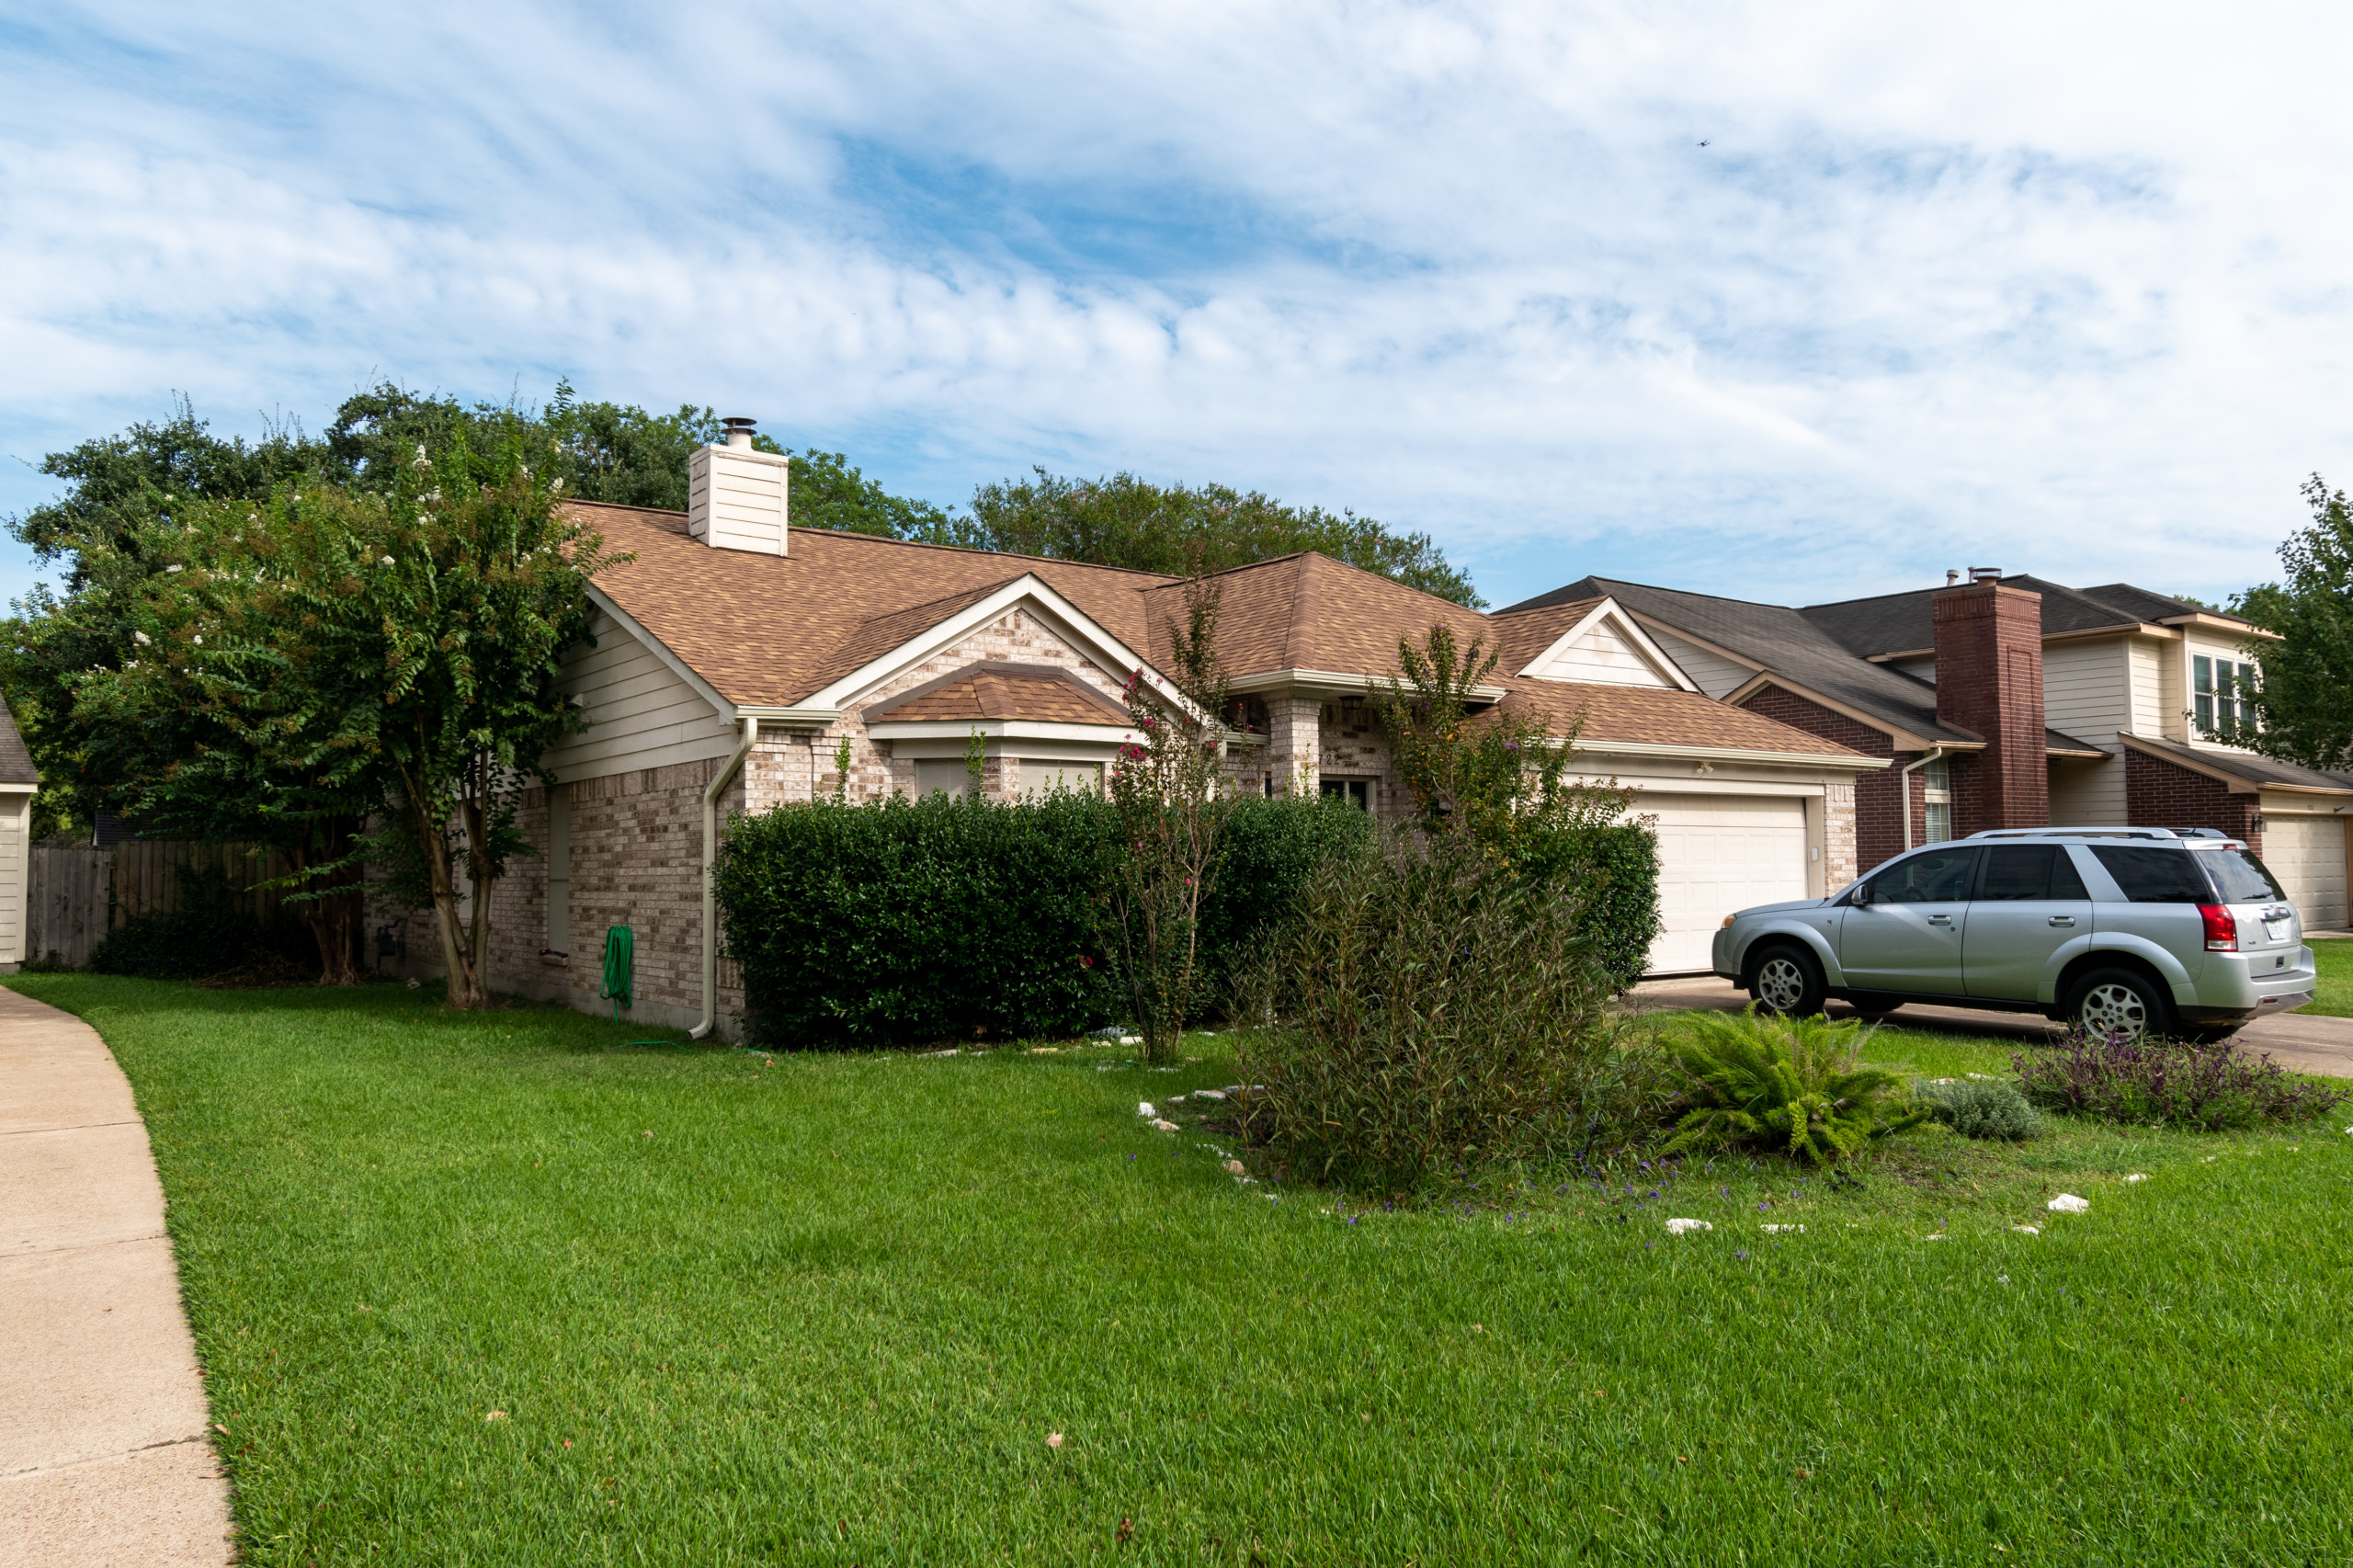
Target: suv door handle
{"type": "Point", "coordinates": [2062, 920]}
{"type": "Point", "coordinates": [1940, 919]}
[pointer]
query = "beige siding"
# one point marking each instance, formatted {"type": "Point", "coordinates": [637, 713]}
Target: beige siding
{"type": "Point", "coordinates": [1923, 668]}
{"type": "Point", "coordinates": [1717, 676]}
{"type": "Point", "coordinates": [1602, 656]}
{"type": "Point", "coordinates": [2147, 658]}
{"type": "Point", "coordinates": [640, 713]}
{"type": "Point", "coordinates": [16, 820]}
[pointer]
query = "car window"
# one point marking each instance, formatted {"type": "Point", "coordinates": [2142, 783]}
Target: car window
{"type": "Point", "coordinates": [2015, 871]}
{"type": "Point", "coordinates": [2065, 881]}
{"type": "Point", "coordinates": [1942, 876]}
{"type": "Point", "coordinates": [2150, 875]}
{"type": "Point", "coordinates": [2239, 876]}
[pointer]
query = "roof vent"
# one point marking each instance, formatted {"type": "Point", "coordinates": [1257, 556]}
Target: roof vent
{"type": "Point", "coordinates": [1952, 576]}
{"type": "Point", "coordinates": [735, 493]}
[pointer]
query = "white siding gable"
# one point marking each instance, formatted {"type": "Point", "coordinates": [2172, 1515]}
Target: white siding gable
{"type": "Point", "coordinates": [1608, 649]}
{"type": "Point", "coordinates": [641, 713]}
{"type": "Point", "coordinates": [1712, 673]}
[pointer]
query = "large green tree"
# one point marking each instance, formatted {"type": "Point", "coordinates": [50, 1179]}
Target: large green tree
{"type": "Point", "coordinates": [1177, 529]}
{"type": "Point", "coordinates": [2301, 709]}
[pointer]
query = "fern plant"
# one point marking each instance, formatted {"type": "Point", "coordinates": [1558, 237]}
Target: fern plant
{"type": "Point", "coordinates": [1789, 1085]}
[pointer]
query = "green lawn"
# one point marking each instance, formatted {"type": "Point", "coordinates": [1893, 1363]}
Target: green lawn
{"type": "Point", "coordinates": [829, 1310]}
{"type": "Point", "coordinates": [2335, 961]}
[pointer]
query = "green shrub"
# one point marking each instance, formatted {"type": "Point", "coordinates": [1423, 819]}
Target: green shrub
{"type": "Point", "coordinates": [1986, 1108]}
{"type": "Point", "coordinates": [1613, 874]}
{"type": "Point", "coordinates": [2202, 1085]}
{"type": "Point", "coordinates": [1423, 1009]}
{"type": "Point", "coordinates": [194, 944]}
{"type": "Point", "coordinates": [902, 920]}
{"type": "Point", "coordinates": [1787, 1084]}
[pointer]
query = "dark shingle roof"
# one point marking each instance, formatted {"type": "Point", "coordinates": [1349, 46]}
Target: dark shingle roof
{"type": "Point", "coordinates": [16, 762]}
{"type": "Point", "coordinates": [1899, 623]}
{"type": "Point", "coordinates": [2244, 766]}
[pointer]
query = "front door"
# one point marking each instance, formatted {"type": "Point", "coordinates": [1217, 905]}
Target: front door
{"type": "Point", "coordinates": [1907, 937]}
{"type": "Point", "coordinates": [2031, 903]}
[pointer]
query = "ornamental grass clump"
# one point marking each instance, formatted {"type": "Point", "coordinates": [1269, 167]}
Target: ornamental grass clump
{"type": "Point", "coordinates": [1790, 1086]}
{"type": "Point", "coordinates": [1994, 1111]}
{"type": "Point", "coordinates": [2204, 1085]}
{"type": "Point", "coordinates": [1425, 1010]}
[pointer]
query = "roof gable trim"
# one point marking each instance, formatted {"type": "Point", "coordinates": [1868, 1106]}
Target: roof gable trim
{"type": "Point", "coordinates": [1609, 613]}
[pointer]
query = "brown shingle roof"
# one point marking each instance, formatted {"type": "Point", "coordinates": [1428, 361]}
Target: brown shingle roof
{"type": "Point", "coordinates": [1527, 632]}
{"type": "Point", "coordinates": [771, 631]}
{"type": "Point", "coordinates": [1041, 694]}
{"type": "Point", "coordinates": [1658, 716]}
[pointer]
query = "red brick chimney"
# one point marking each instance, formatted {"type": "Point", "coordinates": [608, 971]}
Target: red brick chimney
{"type": "Point", "coordinates": [1989, 681]}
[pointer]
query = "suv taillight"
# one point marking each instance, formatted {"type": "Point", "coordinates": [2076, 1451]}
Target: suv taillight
{"type": "Point", "coordinates": [2222, 928]}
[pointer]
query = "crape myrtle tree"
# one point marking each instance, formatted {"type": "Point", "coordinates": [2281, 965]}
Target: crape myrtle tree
{"type": "Point", "coordinates": [2299, 710]}
{"type": "Point", "coordinates": [395, 650]}
{"type": "Point", "coordinates": [1497, 779]}
{"type": "Point", "coordinates": [1170, 791]}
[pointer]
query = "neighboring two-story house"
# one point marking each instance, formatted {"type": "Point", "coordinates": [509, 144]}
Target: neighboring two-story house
{"type": "Point", "coordinates": [2014, 702]}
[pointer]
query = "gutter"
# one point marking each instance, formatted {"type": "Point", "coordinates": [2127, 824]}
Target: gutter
{"type": "Point", "coordinates": [1902, 793]}
{"type": "Point", "coordinates": [719, 782]}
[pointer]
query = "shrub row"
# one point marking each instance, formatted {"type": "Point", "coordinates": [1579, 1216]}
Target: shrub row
{"type": "Point", "coordinates": [903, 920]}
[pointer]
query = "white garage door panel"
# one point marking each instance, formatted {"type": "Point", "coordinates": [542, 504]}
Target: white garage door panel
{"type": "Point", "coordinates": [2307, 854]}
{"type": "Point", "coordinates": [1716, 854]}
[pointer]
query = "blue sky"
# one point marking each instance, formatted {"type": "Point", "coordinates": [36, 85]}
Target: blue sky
{"type": "Point", "coordinates": [2058, 293]}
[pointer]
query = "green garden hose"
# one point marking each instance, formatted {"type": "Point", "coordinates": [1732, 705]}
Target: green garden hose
{"type": "Point", "coordinates": [620, 950]}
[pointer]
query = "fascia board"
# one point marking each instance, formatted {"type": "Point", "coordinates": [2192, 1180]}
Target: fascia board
{"type": "Point", "coordinates": [19, 789]}
{"type": "Point", "coordinates": [1850, 761]}
{"type": "Point", "coordinates": [1115, 657]}
{"type": "Point", "coordinates": [1609, 609]}
{"type": "Point", "coordinates": [1904, 739]}
{"type": "Point", "coordinates": [789, 717]}
{"type": "Point", "coordinates": [1000, 729]}
{"type": "Point", "coordinates": [1332, 683]}
{"type": "Point", "coordinates": [2224, 624]}
{"type": "Point", "coordinates": [660, 650]}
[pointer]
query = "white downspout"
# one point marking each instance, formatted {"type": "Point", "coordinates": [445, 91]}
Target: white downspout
{"type": "Point", "coordinates": [1903, 791]}
{"type": "Point", "coordinates": [710, 794]}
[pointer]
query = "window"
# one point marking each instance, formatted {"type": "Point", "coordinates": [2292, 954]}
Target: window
{"type": "Point", "coordinates": [943, 774]}
{"type": "Point", "coordinates": [1357, 792]}
{"type": "Point", "coordinates": [1936, 792]}
{"type": "Point", "coordinates": [2153, 875]}
{"type": "Point", "coordinates": [2218, 690]}
{"type": "Point", "coordinates": [2239, 877]}
{"type": "Point", "coordinates": [1940, 876]}
{"type": "Point", "coordinates": [2016, 872]}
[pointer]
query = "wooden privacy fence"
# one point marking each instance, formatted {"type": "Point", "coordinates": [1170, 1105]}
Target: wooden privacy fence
{"type": "Point", "coordinates": [75, 895]}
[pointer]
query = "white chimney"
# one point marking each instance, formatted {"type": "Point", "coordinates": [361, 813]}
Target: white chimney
{"type": "Point", "coordinates": [735, 496]}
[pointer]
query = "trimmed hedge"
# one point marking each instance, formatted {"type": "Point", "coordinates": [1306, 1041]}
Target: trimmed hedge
{"type": "Point", "coordinates": [902, 921]}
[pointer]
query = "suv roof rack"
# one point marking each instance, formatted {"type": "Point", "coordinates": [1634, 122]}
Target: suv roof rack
{"type": "Point", "coordinates": [2164, 832]}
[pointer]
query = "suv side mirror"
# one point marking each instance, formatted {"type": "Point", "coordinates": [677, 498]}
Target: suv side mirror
{"type": "Point", "coordinates": [1862, 894]}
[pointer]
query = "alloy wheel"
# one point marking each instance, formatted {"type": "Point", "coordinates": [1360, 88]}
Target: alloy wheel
{"type": "Point", "coordinates": [2112, 1009]}
{"type": "Point", "coordinates": [1780, 984]}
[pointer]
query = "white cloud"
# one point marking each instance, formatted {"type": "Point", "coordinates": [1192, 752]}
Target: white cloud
{"type": "Point", "coordinates": [2057, 291]}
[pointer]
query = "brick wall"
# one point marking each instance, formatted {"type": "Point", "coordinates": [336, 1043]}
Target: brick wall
{"type": "Point", "coordinates": [1989, 682]}
{"type": "Point", "coordinates": [1878, 812]}
{"type": "Point", "coordinates": [2158, 793]}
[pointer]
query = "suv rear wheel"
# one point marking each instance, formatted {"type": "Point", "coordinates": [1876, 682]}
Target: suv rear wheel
{"type": "Point", "coordinates": [1786, 980]}
{"type": "Point", "coordinates": [2106, 1003]}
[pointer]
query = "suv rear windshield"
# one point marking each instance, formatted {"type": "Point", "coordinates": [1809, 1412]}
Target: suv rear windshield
{"type": "Point", "coordinates": [2150, 875]}
{"type": "Point", "coordinates": [2239, 877]}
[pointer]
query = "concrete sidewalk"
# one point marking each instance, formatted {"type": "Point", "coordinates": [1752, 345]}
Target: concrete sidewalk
{"type": "Point", "coordinates": [2298, 1041]}
{"type": "Point", "coordinates": [104, 1456]}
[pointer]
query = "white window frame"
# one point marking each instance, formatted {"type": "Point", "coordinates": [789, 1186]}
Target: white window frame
{"type": "Point", "coordinates": [1935, 802]}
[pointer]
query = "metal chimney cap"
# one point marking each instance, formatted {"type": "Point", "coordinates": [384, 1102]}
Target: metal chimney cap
{"type": "Point", "coordinates": [1985, 573]}
{"type": "Point", "coordinates": [739, 429]}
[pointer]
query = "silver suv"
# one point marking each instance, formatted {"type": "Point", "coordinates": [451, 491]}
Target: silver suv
{"type": "Point", "coordinates": [2138, 931]}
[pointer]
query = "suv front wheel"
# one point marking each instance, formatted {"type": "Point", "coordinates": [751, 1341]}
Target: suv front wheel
{"type": "Point", "coordinates": [1787, 981]}
{"type": "Point", "coordinates": [2107, 1003]}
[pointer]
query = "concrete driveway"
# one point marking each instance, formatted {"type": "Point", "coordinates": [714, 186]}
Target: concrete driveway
{"type": "Point", "coordinates": [104, 1450]}
{"type": "Point", "coordinates": [2299, 1041]}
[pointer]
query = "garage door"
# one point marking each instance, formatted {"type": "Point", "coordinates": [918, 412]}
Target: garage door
{"type": "Point", "coordinates": [2307, 854]}
{"type": "Point", "coordinates": [1716, 854]}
